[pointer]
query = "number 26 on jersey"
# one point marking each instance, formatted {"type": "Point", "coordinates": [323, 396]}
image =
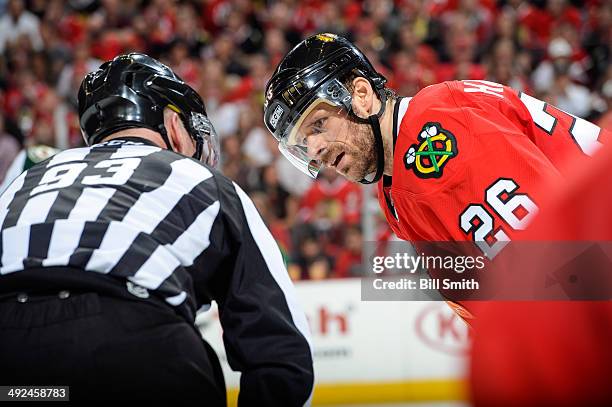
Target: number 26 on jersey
{"type": "Point", "coordinates": [515, 209]}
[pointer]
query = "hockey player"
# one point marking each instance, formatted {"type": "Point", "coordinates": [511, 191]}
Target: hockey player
{"type": "Point", "coordinates": [460, 161]}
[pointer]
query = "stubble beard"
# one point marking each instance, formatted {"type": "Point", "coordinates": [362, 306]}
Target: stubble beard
{"type": "Point", "coordinates": [362, 150]}
{"type": "Point", "coordinates": [359, 146]}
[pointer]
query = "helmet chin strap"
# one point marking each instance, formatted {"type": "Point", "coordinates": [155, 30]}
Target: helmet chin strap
{"type": "Point", "coordinates": [374, 122]}
{"type": "Point", "coordinates": [199, 143]}
{"type": "Point", "coordinates": [380, 151]}
{"type": "Point", "coordinates": [199, 148]}
{"type": "Point", "coordinates": [164, 133]}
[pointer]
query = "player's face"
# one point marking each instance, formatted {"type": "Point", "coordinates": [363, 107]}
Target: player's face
{"type": "Point", "coordinates": [339, 142]}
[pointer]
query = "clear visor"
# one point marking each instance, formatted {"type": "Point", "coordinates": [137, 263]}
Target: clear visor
{"type": "Point", "coordinates": [325, 117]}
{"type": "Point", "coordinates": [210, 140]}
{"type": "Point", "coordinates": [298, 156]}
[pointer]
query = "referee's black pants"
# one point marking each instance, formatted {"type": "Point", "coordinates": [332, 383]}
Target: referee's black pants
{"type": "Point", "coordinates": [107, 350]}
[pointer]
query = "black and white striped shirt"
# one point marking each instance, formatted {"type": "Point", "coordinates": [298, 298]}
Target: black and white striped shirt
{"type": "Point", "coordinates": [153, 219]}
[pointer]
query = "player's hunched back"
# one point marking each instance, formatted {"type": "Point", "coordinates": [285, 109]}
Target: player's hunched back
{"type": "Point", "coordinates": [108, 251]}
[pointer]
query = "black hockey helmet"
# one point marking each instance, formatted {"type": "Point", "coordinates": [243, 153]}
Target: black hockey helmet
{"type": "Point", "coordinates": [313, 72]}
{"type": "Point", "coordinates": [132, 91]}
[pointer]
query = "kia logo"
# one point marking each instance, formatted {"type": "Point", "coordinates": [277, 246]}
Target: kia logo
{"type": "Point", "coordinates": [441, 329]}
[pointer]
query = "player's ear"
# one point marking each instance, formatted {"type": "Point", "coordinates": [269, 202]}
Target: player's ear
{"type": "Point", "coordinates": [177, 134]}
{"type": "Point", "coordinates": [363, 97]}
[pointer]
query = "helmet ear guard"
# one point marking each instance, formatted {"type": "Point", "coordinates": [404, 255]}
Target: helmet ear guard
{"type": "Point", "coordinates": [207, 140]}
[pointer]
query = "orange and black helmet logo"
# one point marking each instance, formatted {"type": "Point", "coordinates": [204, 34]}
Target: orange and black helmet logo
{"type": "Point", "coordinates": [436, 148]}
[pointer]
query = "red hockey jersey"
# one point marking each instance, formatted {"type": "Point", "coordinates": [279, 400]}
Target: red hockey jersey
{"type": "Point", "coordinates": [472, 161]}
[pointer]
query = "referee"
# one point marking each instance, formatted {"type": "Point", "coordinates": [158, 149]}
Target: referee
{"type": "Point", "coordinates": [108, 251]}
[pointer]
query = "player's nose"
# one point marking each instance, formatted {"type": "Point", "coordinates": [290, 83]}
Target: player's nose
{"type": "Point", "coordinates": [316, 146]}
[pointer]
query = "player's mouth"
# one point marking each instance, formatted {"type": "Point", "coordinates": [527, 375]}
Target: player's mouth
{"type": "Point", "coordinates": [338, 159]}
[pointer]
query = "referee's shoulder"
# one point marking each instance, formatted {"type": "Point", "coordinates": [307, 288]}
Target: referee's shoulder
{"type": "Point", "coordinates": [195, 168]}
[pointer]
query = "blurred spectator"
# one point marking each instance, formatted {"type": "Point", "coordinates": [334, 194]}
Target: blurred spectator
{"type": "Point", "coordinates": [598, 32]}
{"type": "Point", "coordinates": [275, 45]}
{"type": "Point", "coordinates": [18, 23]}
{"type": "Point", "coordinates": [189, 30]}
{"type": "Point", "coordinates": [179, 61]}
{"type": "Point", "coordinates": [503, 66]}
{"type": "Point", "coordinates": [606, 89]}
{"type": "Point", "coordinates": [57, 51]}
{"type": "Point", "coordinates": [349, 262]}
{"type": "Point", "coordinates": [540, 22]}
{"type": "Point", "coordinates": [73, 73]}
{"type": "Point", "coordinates": [9, 148]}
{"type": "Point", "coordinates": [278, 227]}
{"type": "Point", "coordinates": [258, 146]}
{"type": "Point", "coordinates": [281, 16]}
{"type": "Point", "coordinates": [110, 26]}
{"type": "Point", "coordinates": [233, 162]}
{"type": "Point", "coordinates": [478, 18]}
{"type": "Point", "coordinates": [331, 18]}
{"type": "Point", "coordinates": [276, 194]}
{"type": "Point", "coordinates": [292, 179]}
{"type": "Point", "coordinates": [54, 124]}
{"type": "Point", "coordinates": [225, 116]}
{"type": "Point", "coordinates": [506, 28]}
{"type": "Point", "coordinates": [223, 49]}
{"type": "Point", "coordinates": [461, 46]}
{"type": "Point", "coordinates": [409, 74]}
{"type": "Point", "coordinates": [569, 96]}
{"type": "Point", "coordinates": [559, 60]}
{"type": "Point", "coordinates": [310, 261]}
{"type": "Point", "coordinates": [333, 200]}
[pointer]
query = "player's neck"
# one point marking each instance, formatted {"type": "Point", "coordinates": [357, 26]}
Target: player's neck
{"type": "Point", "coordinates": [140, 132]}
{"type": "Point", "coordinates": [386, 129]}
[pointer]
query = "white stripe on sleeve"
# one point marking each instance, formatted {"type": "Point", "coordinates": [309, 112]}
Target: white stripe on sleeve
{"type": "Point", "coordinates": [191, 243]}
{"type": "Point", "coordinates": [274, 260]}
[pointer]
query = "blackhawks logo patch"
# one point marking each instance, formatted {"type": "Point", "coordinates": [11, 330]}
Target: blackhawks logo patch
{"type": "Point", "coordinates": [435, 149]}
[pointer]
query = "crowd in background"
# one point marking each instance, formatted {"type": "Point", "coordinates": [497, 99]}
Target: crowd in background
{"type": "Point", "coordinates": [556, 50]}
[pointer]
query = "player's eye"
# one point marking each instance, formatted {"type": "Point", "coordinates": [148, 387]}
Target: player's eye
{"type": "Point", "coordinates": [318, 126]}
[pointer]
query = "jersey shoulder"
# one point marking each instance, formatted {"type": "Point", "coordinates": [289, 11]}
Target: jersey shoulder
{"type": "Point", "coordinates": [457, 126]}
{"type": "Point", "coordinates": [432, 141]}
{"type": "Point", "coordinates": [439, 94]}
